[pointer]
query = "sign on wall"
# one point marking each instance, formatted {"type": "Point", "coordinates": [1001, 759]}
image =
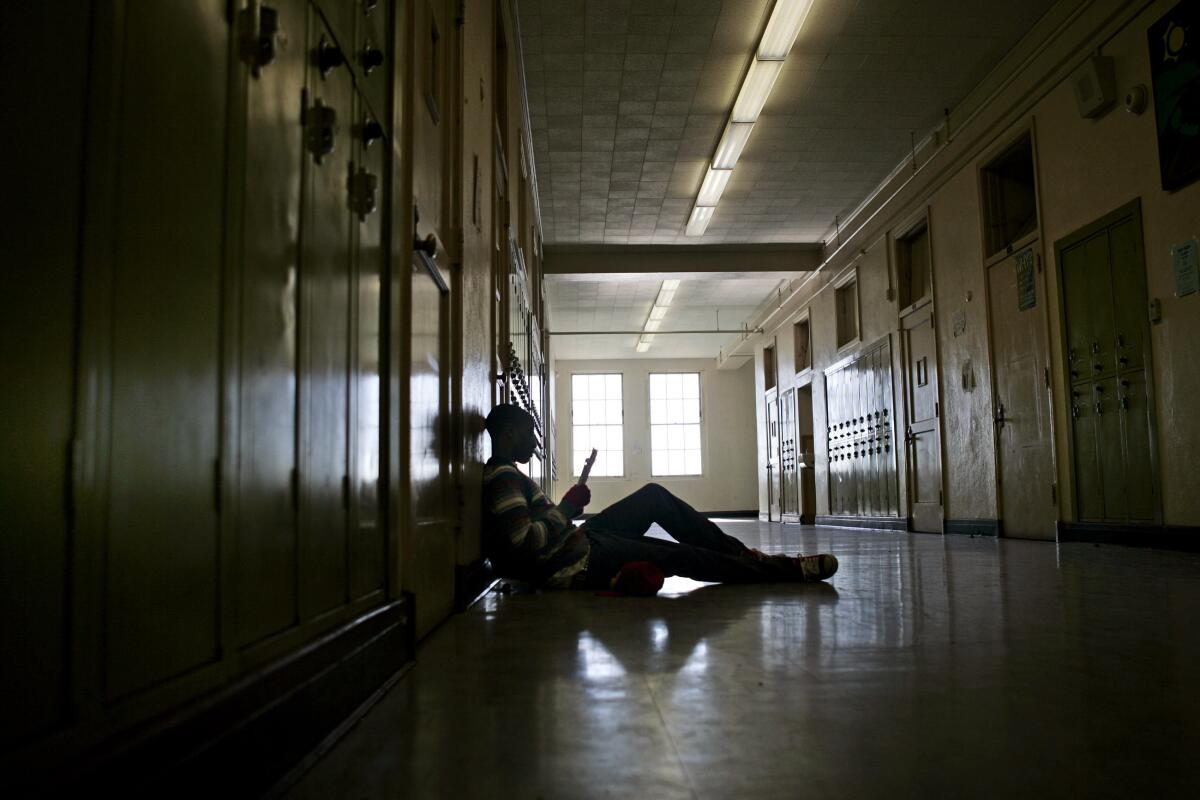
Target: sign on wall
{"type": "Point", "coordinates": [1174, 43]}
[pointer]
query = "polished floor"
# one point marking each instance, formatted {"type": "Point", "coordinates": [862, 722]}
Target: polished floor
{"type": "Point", "coordinates": [927, 667]}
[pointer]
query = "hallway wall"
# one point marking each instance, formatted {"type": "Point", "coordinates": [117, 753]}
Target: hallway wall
{"type": "Point", "coordinates": [727, 433]}
{"type": "Point", "coordinates": [1085, 169]}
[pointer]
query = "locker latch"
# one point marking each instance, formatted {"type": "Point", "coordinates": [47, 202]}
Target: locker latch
{"type": "Point", "coordinates": [363, 188]}
{"type": "Point", "coordinates": [260, 36]}
{"type": "Point", "coordinates": [320, 129]}
{"type": "Point", "coordinates": [371, 57]}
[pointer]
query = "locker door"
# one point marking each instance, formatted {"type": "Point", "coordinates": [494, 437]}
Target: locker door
{"type": "Point", "coordinates": [1026, 460]}
{"type": "Point", "coordinates": [266, 525]}
{"type": "Point", "coordinates": [161, 536]}
{"type": "Point", "coordinates": [429, 543]}
{"type": "Point", "coordinates": [923, 436]}
{"type": "Point", "coordinates": [367, 544]}
{"type": "Point", "coordinates": [787, 412]}
{"type": "Point", "coordinates": [773, 465]}
{"type": "Point", "coordinates": [37, 347]}
{"type": "Point", "coordinates": [325, 329]}
{"type": "Point", "coordinates": [1137, 415]}
{"type": "Point", "coordinates": [1078, 265]}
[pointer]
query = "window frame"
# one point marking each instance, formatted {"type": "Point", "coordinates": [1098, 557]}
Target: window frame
{"type": "Point", "coordinates": [851, 277]}
{"type": "Point", "coordinates": [703, 428]}
{"type": "Point", "coordinates": [571, 407]}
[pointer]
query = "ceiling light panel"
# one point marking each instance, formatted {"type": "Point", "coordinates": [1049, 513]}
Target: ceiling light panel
{"type": "Point", "coordinates": [729, 150]}
{"type": "Point", "coordinates": [658, 312]}
{"type": "Point", "coordinates": [714, 184]}
{"type": "Point", "coordinates": [701, 215]}
{"type": "Point", "coordinates": [755, 90]}
{"type": "Point", "coordinates": [787, 17]}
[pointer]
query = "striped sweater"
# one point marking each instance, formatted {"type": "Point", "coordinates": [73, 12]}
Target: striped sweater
{"type": "Point", "coordinates": [526, 536]}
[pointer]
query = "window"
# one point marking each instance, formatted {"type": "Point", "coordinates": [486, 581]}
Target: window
{"type": "Point", "coordinates": [912, 261]}
{"type": "Point", "coordinates": [803, 345]}
{"type": "Point", "coordinates": [769, 368]}
{"type": "Point", "coordinates": [675, 423]}
{"type": "Point", "coordinates": [846, 298]}
{"type": "Point", "coordinates": [1009, 197]}
{"type": "Point", "coordinates": [597, 421]}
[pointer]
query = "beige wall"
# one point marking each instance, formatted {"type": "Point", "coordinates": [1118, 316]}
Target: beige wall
{"type": "Point", "coordinates": [1086, 168]}
{"type": "Point", "coordinates": [729, 451]}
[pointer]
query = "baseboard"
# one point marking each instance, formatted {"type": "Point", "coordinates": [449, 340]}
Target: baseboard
{"type": "Point", "coordinates": [1162, 537]}
{"type": "Point", "coordinates": [870, 523]}
{"type": "Point", "coordinates": [242, 740]}
{"type": "Point", "coordinates": [972, 527]}
{"type": "Point", "coordinates": [471, 581]}
{"type": "Point", "coordinates": [744, 514]}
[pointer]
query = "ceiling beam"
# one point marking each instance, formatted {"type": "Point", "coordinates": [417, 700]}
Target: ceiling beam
{"type": "Point", "coordinates": [649, 260]}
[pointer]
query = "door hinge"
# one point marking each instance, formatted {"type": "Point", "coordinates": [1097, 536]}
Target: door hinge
{"type": "Point", "coordinates": [1053, 494]}
{"type": "Point", "coordinates": [346, 492]}
{"type": "Point", "coordinates": [217, 484]}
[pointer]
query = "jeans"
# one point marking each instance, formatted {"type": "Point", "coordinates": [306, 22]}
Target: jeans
{"type": "Point", "coordinates": [704, 552]}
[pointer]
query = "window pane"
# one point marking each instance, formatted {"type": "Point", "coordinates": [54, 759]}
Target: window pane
{"type": "Point", "coordinates": [658, 463]}
{"type": "Point", "coordinates": [612, 387]}
{"type": "Point", "coordinates": [577, 460]}
{"type": "Point", "coordinates": [658, 411]}
{"type": "Point", "coordinates": [596, 387]}
{"type": "Point", "coordinates": [675, 385]}
{"type": "Point", "coordinates": [658, 438]}
{"type": "Point", "coordinates": [613, 440]}
{"type": "Point", "coordinates": [691, 385]}
{"type": "Point", "coordinates": [658, 386]}
{"type": "Point", "coordinates": [691, 410]}
{"type": "Point", "coordinates": [580, 415]}
{"type": "Point", "coordinates": [676, 460]}
{"type": "Point", "coordinates": [692, 459]}
{"type": "Point", "coordinates": [612, 414]}
{"type": "Point", "coordinates": [691, 437]}
{"type": "Point", "coordinates": [675, 437]}
{"type": "Point", "coordinates": [579, 385]}
{"type": "Point", "coordinates": [674, 410]}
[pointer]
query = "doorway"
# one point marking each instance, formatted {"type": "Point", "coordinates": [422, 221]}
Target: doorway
{"type": "Point", "coordinates": [922, 436]}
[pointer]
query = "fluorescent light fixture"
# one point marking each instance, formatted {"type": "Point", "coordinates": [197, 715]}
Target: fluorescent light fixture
{"type": "Point", "coordinates": [652, 325]}
{"type": "Point", "coordinates": [664, 298]}
{"type": "Point", "coordinates": [754, 91]}
{"type": "Point", "coordinates": [643, 347]}
{"type": "Point", "coordinates": [714, 184]}
{"type": "Point", "coordinates": [699, 221]}
{"type": "Point", "coordinates": [732, 141]}
{"type": "Point", "coordinates": [658, 312]}
{"type": "Point", "coordinates": [670, 286]}
{"type": "Point", "coordinates": [787, 17]}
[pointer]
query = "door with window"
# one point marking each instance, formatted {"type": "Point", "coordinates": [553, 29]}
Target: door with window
{"type": "Point", "coordinates": [922, 438]}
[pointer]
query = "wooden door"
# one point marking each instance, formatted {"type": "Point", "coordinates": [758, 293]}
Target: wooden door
{"type": "Point", "coordinates": [923, 435]}
{"type": "Point", "coordinates": [773, 465]}
{"type": "Point", "coordinates": [1021, 400]}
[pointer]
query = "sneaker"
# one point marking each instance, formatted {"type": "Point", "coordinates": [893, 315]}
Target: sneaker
{"type": "Point", "coordinates": [817, 568]}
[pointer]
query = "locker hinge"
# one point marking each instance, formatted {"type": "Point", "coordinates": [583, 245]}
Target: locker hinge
{"type": "Point", "coordinates": [1053, 494]}
{"type": "Point", "coordinates": [217, 484]}
{"type": "Point", "coordinates": [346, 492]}
{"type": "Point", "coordinates": [71, 482]}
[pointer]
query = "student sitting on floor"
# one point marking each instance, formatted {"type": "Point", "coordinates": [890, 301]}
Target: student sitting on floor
{"type": "Point", "coordinates": [528, 538]}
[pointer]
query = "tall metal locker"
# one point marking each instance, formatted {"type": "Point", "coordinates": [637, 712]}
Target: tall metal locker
{"type": "Point", "coordinates": [788, 462]}
{"type": "Point", "coordinates": [325, 285]}
{"type": "Point", "coordinates": [153, 285]}
{"type": "Point", "coordinates": [1107, 354]}
{"type": "Point", "coordinates": [270, 233]}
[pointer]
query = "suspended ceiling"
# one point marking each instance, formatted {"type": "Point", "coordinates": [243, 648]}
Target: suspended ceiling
{"type": "Point", "coordinates": [629, 97]}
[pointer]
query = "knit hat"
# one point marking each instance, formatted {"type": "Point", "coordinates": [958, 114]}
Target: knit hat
{"type": "Point", "coordinates": [637, 578]}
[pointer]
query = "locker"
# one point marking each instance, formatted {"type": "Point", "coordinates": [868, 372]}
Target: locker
{"type": "Point", "coordinates": [367, 544]}
{"type": "Point", "coordinates": [266, 524]}
{"type": "Point", "coordinates": [861, 461]}
{"type": "Point", "coordinates": [790, 500]}
{"type": "Point", "coordinates": [1107, 344]}
{"type": "Point", "coordinates": [325, 276]}
{"type": "Point", "coordinates": [161, 533]}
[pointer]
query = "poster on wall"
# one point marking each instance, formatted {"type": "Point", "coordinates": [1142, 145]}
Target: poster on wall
{"type": "Point", "coordinates": [1175, 73]}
